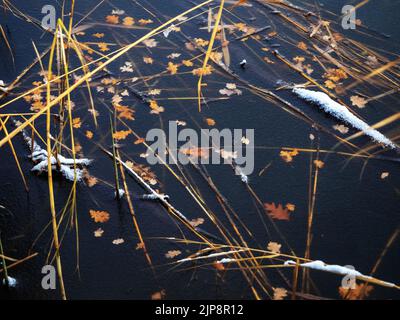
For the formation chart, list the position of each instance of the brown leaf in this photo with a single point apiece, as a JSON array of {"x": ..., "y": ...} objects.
[
  {"x": 358, "y": 101},
  {"x": 358, "y": 293},
  {"x": 276, "y": 212},
  {"x": 279, "y": 293},
  {"x": 274, "y": 247}
]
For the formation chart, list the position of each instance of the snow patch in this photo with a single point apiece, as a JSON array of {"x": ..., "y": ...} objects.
[{"x": 341, "y": 112}]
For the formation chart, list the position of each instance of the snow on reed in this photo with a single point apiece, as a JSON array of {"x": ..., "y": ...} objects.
[
  {"x": 334, "y": 268},
  {"x": 341, "y": 112},
  {"x": 66, "y": 165}
]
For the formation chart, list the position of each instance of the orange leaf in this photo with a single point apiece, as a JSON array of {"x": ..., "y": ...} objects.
[
  {"x": 113, "y": 19},
  {"x": 128, "y": 21},
  {"x": 99, "y": 216},
  {"x": 121, "y": 135}
]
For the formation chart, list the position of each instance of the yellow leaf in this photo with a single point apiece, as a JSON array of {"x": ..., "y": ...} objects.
[
  {"x": 128, "y": 21},
  {"x": 121, "y": 135},
  {"x": 76, "y": 123},
  {"x": 172, "y": 68},
  {"x": 89, "y": 134},
  {"x": 187, "y": 63}
]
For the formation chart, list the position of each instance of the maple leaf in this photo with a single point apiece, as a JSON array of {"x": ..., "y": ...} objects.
[
  {"x": 89, "y": 134},
  {"x": 276, "y": 212},
  {"x": 121, "y": 135},
  {"x": 98, "y": 233},
  {"x": 103, "y": 46},
  {"x": 76, "y": 123},
  {"x": 148, "y": 60},
  {"x": 112, "y": 19},
  {"x": 124, "y": 112},
  {"x": 274, "y": 247},
  {"x": 91, "y": 181},
  {"x": 150, "y": 43},
  {"x": 341, "y": 128},
  {"x": 99, "y": 216},
  {"x": 287, "y": 155},
  {"x": 172, "y": 254},
  {"x": 301, "y": 45},
  {"x": 335, "y": 75},
  {"x": 358, "y": 293},
  {"x": 128, "y": 21},
  {"x": 155, "y": 108},
  {"x": 202, "y": 71},
  {"x": 330, "y": 84},
  {"x": 279, "y": 293},
  {"x": 201, "y": 42},
  {"x": 172, "y": 68},
  {"x": 358, "y": 101}
]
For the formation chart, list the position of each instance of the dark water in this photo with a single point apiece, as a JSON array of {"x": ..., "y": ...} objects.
[{"x": 355, "y": 214}]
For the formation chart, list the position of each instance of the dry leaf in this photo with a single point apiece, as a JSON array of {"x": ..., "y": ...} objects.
[
  {"x": 384, "y": 175},
  {"x": 290, "y": 206},
  {"x": 196, "y": 222},
  {"x": 287, "y": 155},
  {"x": 319, "y": 164},
  {"x": 98, "y": 233},
  {"x": 274, "y": 247},
  {"x": 121, "y": 135},
  {"x": 151, "y": 43},
  {"x": 76, "y": 123},
  {"x": 148, "y": 60},
  {"x": 113, "y": 19},
  {"x": 210, "y": 122},
  {"x": 99, "y": 216},
  {"x": 118, "y": 241},
  {"x": 172, "y": 68},
  {"x": 276, "y": 212},
  {"x": 172, "y": 254},
  {"x": 279, "y": 293},
  {"x": 341, "y": 128},
  {"x": 358, "y": 293},
  {"x": 128, "y": 21},
  {"x": 358, "y": 101},
  {"x": 89, "y": 134}
]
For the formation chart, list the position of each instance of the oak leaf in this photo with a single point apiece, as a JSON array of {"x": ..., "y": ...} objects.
[{"x": 276, "y": 212}]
